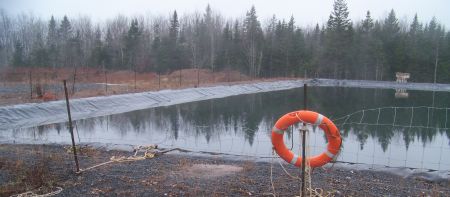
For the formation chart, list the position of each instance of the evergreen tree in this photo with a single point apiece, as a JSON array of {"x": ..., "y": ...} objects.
[
  {"x": 315, "y": 52},
  {"x": 268, "y": 58},
  {"x": 378, "y": 51},
  {"x": 156, "y": 44},
  {"x": 52, "y": 38},
  {"x": 210, "y": 36},
  {"x": 169, "y": 50},
  {"x": 132, "y": 40},
  {"x": 298, "y": 54},
  {"x": 39, "y": 55},
  {"x": 74, "y": 51},
  {"x": 237, "y": 54},
  {"x": 391, "y": 41},
  {"x": 253, "y": 42},
  {"x": 109, "y": 51},
  {"x": 294, "y": 43},
  {"x": 18, "y": 56},
  {"x": 65, "y": 47},
  {"x": 391, "y": 27},
  {"x": 224, "y": 58},
  {"x": 174, "y": 28},
  {"x": 279, "y": 49},
  {"x": 434, "y": 40},
  {"x": 338, "y": 20},
  {"x": 416, "y": 27},
  {"x": 413, "y": 46},
  {"x": 444, "y": 61},
  {"x": 364, "y": 43},
  {"x": 173, "y": 56},
  {"x": 65, "y": 29},
  {"x": 98, "y": 55},
  {"x": 367, "y": 24},
  {"x": 339, "y": 41}
]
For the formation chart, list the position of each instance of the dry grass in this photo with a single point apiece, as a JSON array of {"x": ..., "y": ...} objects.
[
  {"x": 42, "y": 81},
  {"x": 29, "y": 168},
  {"x": 83, "y": 150},
  {"x": 28, "y": 176}
]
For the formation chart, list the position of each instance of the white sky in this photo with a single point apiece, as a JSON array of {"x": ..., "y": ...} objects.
[{"x": 306, "y": 12}]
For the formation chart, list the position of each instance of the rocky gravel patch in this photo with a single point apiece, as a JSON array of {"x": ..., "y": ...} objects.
[{"x": 28, "y": 167}]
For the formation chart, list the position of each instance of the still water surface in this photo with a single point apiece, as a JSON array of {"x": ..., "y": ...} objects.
[{"x": 397, "y": 132}]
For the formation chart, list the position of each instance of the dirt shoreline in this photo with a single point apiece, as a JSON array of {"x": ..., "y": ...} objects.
[{"x": 28, "y": 167}]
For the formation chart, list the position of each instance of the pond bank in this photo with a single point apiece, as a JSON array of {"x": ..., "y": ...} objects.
[
  {"x": 26, "y": 167},
  {"x": 36, "y": 114}
]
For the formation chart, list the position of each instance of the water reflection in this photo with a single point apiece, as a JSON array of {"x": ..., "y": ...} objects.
[{"x": 242, "y": 124}]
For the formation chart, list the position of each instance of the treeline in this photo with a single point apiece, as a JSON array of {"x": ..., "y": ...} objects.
[{"x": 368, "y": 49}]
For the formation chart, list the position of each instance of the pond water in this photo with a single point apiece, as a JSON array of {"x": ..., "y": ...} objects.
[{"x": 397, "y": 132}]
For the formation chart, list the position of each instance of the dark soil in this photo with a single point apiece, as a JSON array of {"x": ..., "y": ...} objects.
[{"x": 28, "y": 167}]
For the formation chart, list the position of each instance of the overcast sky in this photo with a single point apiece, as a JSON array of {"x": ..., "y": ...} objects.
[{"x": 306, "y": 12}]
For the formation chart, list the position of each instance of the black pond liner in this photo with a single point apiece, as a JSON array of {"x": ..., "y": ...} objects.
[{"x": 36, "y": 114}]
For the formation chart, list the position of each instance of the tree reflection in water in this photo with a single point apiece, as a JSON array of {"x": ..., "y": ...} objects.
[{"x": 248, "y": 119}]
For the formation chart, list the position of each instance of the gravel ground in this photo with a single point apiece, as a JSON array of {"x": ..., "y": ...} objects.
[{"x": 27, "y": 167}]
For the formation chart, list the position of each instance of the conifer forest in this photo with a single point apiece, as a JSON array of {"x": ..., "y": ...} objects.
[{"x": 367, "y": 49}]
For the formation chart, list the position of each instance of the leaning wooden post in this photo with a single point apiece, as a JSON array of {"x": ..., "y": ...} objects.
[
  {"x": 303, "y": 142},
  {"x": 71, "y": 127}
]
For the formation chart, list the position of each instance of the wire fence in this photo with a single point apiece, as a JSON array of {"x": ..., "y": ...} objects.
[
  {"x": 362, "y": 132},
  {"x": 39, "y": 84},
  {"x": 389, "y": 137}
]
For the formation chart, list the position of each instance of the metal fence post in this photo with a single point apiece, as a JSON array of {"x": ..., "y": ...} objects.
[
  {"x": 159, "y": 81},
  {"x": 31, "y": 85},
  {"x": 180, "y": 77},
  {"x": 106, "y": 82},
  {"x": 198, "y": 77},
  {"x": 71, "y": 127},
  {"x": 303, "y": 141}
]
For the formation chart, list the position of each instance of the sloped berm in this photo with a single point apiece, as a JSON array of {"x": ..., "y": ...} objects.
[{"x": 36, "y": 114}]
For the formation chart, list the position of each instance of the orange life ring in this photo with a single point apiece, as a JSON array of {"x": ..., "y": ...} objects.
[{"x": 331, "y": 131}]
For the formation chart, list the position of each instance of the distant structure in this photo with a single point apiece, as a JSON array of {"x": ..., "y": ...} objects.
[
  {"x": 401, "y": 93},
  {"x": 401, "y": 78}
]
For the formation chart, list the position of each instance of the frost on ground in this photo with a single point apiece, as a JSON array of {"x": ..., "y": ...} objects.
[{"x": 35, "y": 114}]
